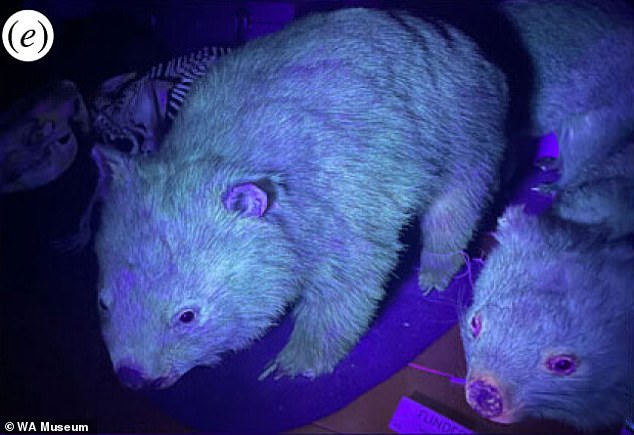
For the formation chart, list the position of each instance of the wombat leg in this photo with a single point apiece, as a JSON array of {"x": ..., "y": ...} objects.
[
  {"x": 328, "y": 324},
  {"x": 446, "y": 228}
]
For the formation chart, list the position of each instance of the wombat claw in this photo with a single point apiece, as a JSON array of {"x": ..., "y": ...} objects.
[
  {"x": 547, "y": 163},
  {"x": 273, "y": 368},
  {"x": 268, "y": 370},
  {"x": 427, "y": 291},
  {"x": 437, "y": 271},
  {"x": 437, "y": 285},
  {"x": 545, "y": 189}
]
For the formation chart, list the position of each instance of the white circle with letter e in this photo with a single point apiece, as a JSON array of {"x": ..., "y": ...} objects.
[{"x": 27, "y": 35}]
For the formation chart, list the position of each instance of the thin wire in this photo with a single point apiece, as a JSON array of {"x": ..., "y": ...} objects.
[{"x": 453, "y": 379}]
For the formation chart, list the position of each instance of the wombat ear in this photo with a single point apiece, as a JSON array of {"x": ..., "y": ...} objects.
[{"x": 248, "y": 199}]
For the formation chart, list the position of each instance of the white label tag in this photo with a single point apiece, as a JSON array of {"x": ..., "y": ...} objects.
[{"x": 412, "y": 417}]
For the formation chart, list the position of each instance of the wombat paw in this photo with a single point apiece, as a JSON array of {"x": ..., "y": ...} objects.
[
  {"x": 428, "y": 282},
  {"x": 437, "y": 270},
  {"x": 277, "y": 372},
  {"x": 290, "y": 363},
  {"x": 274, "y": 369}
]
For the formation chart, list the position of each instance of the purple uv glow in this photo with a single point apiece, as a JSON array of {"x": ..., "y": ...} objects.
[
  {"x": 485, "y": 398},
  {"x": 548, "y": 147},
  {"x": 454, "y": 379}
]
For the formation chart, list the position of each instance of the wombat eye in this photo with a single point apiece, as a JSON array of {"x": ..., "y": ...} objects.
[
  {"x": 476, "y": 325},
  {"x": 187, "y": 316},
  {"x": 562, "y": 364}
]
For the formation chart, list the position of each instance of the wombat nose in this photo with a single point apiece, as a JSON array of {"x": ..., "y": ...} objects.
[
  {"x": 485, "y": 398},
  {"x": 131, "y": 377}
]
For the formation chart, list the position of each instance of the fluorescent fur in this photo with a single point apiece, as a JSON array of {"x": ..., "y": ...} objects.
[
  {"x": 562, "y": 283},
  {"x": 354, "y": 133},
  {"x": 554, "y": 287}
]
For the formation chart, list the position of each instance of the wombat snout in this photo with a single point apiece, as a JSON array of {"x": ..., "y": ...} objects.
[
  {"x": 134, "y": 379},
  {"x": 486, "y": 398}
]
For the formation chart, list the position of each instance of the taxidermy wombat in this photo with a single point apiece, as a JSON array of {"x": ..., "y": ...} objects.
[
  {"x": 285, "y": 182},
  {"x": 550, "y": 332}
]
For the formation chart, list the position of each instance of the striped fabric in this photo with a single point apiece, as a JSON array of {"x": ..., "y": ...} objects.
[
  {"x": 131, "y": 113},
  {"x": 186, "y": 69}
]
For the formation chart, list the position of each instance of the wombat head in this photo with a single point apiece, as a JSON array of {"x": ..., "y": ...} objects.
[
  {"x": 550, "y": 332},
  {"x": 193, "y": 262}
]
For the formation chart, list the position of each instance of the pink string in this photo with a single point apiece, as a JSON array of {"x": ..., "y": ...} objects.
[{"x": 451, "y": 378}]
